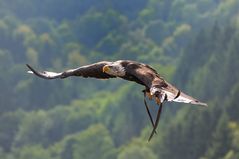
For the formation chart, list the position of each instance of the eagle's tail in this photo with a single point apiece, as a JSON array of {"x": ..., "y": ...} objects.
[
  {"x": 172, "y": 94},
  {"x": 182, "y": 97}
]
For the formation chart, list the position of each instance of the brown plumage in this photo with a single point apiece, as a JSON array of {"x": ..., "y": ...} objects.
[{"x": 155, "y": 85}]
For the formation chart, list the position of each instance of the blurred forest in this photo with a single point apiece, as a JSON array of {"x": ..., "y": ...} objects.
[{"x": 193, "y": 44}]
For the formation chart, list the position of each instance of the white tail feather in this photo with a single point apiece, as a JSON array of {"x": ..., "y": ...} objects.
[{"x": 183, "y": 98}]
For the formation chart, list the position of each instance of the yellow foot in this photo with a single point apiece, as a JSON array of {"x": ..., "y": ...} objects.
[
  {"x": 149, "y": 95},
  {"x": 158, "y": 101}
]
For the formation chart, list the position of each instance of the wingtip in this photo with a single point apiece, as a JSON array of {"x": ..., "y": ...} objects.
[
  {"x": 30, "y": 71},
  {"x": 29, "y": 66}
]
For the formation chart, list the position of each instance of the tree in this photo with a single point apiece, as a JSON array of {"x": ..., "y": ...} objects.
[
  {"x": 136, "y": 152},
  {"x": 32, "y": 152},
  {"x": 94, "y": 142}
]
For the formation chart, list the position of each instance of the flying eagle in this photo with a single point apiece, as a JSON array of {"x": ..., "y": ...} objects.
[{"x": 155, "y": 86}]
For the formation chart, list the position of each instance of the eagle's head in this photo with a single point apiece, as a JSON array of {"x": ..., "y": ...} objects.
[{"x": 114, "y": 69}]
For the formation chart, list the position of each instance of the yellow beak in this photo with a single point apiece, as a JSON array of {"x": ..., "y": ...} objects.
[{"x": 106, "y": 68}]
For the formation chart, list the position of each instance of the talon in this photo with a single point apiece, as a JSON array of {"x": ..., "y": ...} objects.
[
  {"x": 149, "y": 95},
  {"x": 158, "y": 101}
]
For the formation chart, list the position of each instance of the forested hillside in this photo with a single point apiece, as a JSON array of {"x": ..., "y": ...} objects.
[{"x": 193, "y": 44}]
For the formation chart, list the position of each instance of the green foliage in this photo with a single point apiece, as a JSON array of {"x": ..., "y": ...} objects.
[
  {"x": 94, "y": 142},
  {"x": 137, "y": 149},
  {"x": 137, "y": 152},
  {"x": 33, "y": 129},
  {"x": 93, "y": 26},
  {"x": 32, "y": 152},
  {"x": 193, "y": 44},
  {"x": 9, "y": 127},
  {"x": 205, "y": 134},
  {"x": 217, "y": 148}
]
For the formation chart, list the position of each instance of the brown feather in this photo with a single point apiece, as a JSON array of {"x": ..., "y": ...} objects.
[{"x": 93, "y": 70}]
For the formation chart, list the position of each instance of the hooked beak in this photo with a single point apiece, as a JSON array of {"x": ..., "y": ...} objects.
[{"x": 106, "y": 68}]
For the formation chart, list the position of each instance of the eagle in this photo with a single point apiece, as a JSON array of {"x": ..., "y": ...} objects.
[{"x": 156, "y": 87}]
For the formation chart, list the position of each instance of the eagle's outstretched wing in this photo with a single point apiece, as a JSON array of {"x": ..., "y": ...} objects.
[
  {"x": 158, "y": 86},
  {"x": 94, "y": 70}
]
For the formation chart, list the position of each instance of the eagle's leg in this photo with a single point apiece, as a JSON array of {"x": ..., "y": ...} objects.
[
  {"x": 147, "y": 108},
  {"x": 156, "y": 122},
  {"x": 148, "y": 94},
  {"x": 157, "y": 99},
  {"x": 159, "y": 102}
]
